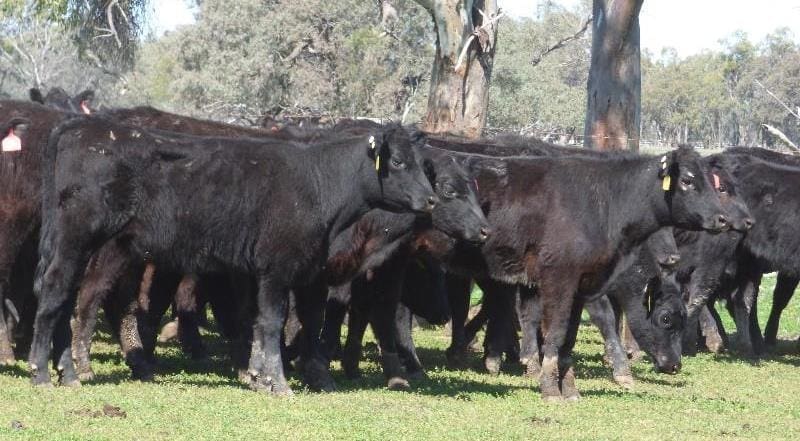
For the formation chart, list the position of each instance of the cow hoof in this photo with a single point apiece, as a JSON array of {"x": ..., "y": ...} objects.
[
  {"x": 7, "y": 358},
  {"x": 533, "y": 370},
  {"x": 547, "y": 398},
  {"x": 142, "y": 373},
  {"x": 266, "y": 385},
  {"x": 72, "y": 382},
  {"x": 399, "y": 384},
  {"x": 317, "y": 376},
  {"x": 417, "y": 375},
  {"x": 572, "y": 397},
  {"x": 87, "y": 375},
  {"x": 169, "y": 332},
  {"x": 457, "y": 357},
  {"x": 493, "y": 365},
  {"x": 626, "y": 381}
]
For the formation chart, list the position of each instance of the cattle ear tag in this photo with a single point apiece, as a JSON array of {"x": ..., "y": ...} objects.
[
  {"x": 665, "y": 183},
  {"x": 716, "y": 181},
  {"x": 12, "y": 143},
  {"x": 85, "y": 108},
  {"x": 373, "y": 146}
]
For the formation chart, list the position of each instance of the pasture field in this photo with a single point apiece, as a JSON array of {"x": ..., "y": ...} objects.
[{"x": 713, "y": 397}]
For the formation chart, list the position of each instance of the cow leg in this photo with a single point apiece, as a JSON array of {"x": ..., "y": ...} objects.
[
  {"x": 292, "y": 333},
  {"x": 357, "y": 320},
  {"x": 476, "y": 323},
  {"x": 266, "y": 366},
  {"x": 498, "y": 302},
  {"x": 529, "y": 311},
  {"x": 6, "y": 351},
  {"x": 629, "y": 341},
  {"x": 743, "y": 303},
  {"x": 335, "y": 311},
  {"x": 602, "y": 315},
  {"x": 784, "y": 290},
  {"x": 458, "y": 291},
  {"x": 404, "y": 323},
  {"x": 557, "y": 301},
  {"x": 712, "y": 338},
  {"x": 156, "y": 291},
  {"x": 569, "y": 390},
  {"x": 310, "y": 309},
  {"x": 187, "y": 313},
  {"x": 58, "y": 279},
  {"x": 385, "y": 290}
]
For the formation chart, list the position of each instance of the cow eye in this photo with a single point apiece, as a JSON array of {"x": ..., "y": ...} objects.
[
  {"x": 723, "y": 188},
  {"x": 448, "y": 191},
  {"x": 396, "y": 163},
  {"x": 666, "y": 320},
  {"x": 687, "y": 182}
]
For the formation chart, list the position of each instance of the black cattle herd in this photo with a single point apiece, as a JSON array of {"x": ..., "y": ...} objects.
[{"x": 285, "y": 231}]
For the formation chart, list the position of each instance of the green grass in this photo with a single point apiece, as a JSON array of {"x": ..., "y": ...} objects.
[{"x": 713, "y": 397}]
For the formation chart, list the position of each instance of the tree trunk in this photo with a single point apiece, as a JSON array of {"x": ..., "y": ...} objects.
[
  {"x": 613, "y": 109},
  {"x": 458, "y": 99}
]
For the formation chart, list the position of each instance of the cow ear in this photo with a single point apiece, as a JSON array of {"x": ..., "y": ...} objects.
[
  {"x": 667, "y": 164},
  {"x": 651, "y": 290},
  {"x": 18, "y": 125},
  {"x": 85, "y": 101},
  {"x": 36, "y": 95}
]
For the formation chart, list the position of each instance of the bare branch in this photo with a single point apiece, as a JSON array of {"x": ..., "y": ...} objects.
[
  {"x": 561, "y": 43},
  {"x": 110, "y": 18},
  {"x": 789, "y": 109},
  {"x": 777, "y": 133},
  {"x": 480, "y": 32}
]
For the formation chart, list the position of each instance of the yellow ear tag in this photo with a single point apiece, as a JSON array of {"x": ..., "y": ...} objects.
[
  {"x": 377, "y": 156},
  {"x": 377, "y": 163},
  {"x": 665, "y": 184}
]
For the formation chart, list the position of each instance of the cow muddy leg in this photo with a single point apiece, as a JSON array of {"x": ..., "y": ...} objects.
[
  {"x": 58, "y": 281},
  {"x": 602, "y": 315},
  {"x": 310, "y": 309},
  {"x": 529, "y": 311},
  {"x": 713, "y": 340},
  {"x": 557, "y": 300},
  {"x": 266, "y": 367},
  {"x": 458, "y": 292},
  {"x": 569, "y": 390},
  {"x": 187, "y": 313},
  {"x": 784, "y": 290}
]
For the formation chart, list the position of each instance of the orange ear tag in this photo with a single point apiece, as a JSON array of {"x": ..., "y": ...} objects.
[
  {"x": 85, "y": 108},
  {"x": 716, "y": 181},
  {"x": 665, "y": 184},
  {"x": 12, "y": 143}
]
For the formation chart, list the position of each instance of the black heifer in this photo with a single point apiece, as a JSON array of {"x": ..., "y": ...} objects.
[
  {"x": 194, "y": 205},
  {"x": 567, "y": 236},
  {"x": 24, "y": 130}
]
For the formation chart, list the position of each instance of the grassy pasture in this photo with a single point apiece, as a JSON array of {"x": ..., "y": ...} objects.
[{"x": 713, "y": 397}]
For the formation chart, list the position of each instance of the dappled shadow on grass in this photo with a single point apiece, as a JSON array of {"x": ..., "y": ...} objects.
[{"x": 18, "y": 370}]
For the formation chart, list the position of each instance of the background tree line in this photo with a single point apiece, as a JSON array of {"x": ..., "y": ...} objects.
[{"x": 246, "y": 59}]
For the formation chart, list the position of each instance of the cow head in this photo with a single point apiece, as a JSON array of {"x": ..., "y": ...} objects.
[
  {"x": 458, "y": 214},
  {"x": 58, "y": 98},
  {"x": 693, "y": 202},
  {"x": 394, "y": 157},
  {"x": 425, "y": 291},
  {"x": 738, "y": 213},
  {"x": 657, "y": 321}
]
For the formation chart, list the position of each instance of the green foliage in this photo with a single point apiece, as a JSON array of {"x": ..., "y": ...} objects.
[
  {"x": 713, "y": 397},
  {"x": 253, "y": 57},
  {"x": 550, "y": 96}
]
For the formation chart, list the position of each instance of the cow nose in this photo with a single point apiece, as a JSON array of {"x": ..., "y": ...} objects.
[
  {"x": 721, "y": 223},
  {"x": 484, "y": 233},
  {"x": 432, "y": 201},
  {"x": 748, "y": 223}
]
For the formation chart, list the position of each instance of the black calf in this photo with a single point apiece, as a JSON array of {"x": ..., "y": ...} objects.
[{"x": 264, "y": 208}]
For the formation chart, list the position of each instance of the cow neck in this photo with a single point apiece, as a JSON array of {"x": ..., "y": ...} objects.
[
  {"x": 341, "y": 182},
  {"x": 639, "y": 206}
]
